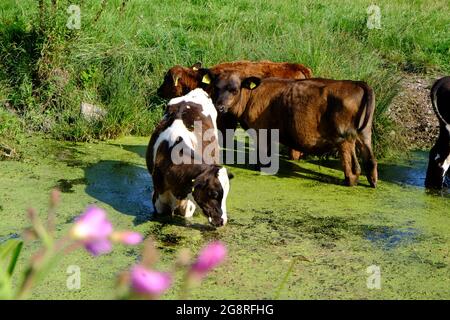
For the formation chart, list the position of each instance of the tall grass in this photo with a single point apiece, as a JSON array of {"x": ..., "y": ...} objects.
[{"x": 119, "y": 56}]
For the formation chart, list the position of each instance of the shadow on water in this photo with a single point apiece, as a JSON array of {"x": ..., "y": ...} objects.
[
  {"x": 124, "y": 186},
  {"x": 127, "y": 188},
  {"x": 287, "y": 168}
]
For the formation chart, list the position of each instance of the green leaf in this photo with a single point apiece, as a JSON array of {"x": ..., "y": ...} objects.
[{"x": 9, "y": 254}]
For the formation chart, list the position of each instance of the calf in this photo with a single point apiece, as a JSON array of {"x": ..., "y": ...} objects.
[
  {"x": 180, "y": 80},
  {"x": 439, "y": 159},
  {"x": 181, "y": 174},
  {"x": 312, "y": 115}
]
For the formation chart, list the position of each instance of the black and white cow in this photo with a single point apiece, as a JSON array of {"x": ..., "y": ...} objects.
[
  {"x": 183, "y": 159},
  {"x": 439, "y": 159}
]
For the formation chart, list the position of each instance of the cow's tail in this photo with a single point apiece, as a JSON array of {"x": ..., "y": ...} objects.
[
  {"x": 368, "y": 103},
  {"x": 433, "y": 96}
]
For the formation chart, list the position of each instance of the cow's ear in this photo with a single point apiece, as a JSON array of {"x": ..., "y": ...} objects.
[
  {"x": 251, "y": 83},
  {"x": 175, "y": 79},
  {"x": 196, "y": 66},
  {"x": 205, "y": 76}
]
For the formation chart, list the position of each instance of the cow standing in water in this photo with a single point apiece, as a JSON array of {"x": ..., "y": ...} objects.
[
  {"x": 180, "y": 80},
  {"x": 182, "y": 158},
  {"x": 439, "y": 159},
  {"x": 312, "y": 115}
]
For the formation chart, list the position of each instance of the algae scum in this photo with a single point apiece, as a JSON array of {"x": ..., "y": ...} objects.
[{"x": 304, "y": 217}]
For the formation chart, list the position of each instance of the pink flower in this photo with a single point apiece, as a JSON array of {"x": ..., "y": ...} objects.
[
  {"x": 93, "y": 229},
  {"x": 149, "y": 282},
  {"x": 92, "y": 225},
  {"x": 95, "y": 232},
  {"x": 127, "y": 237},
  {"x": 209, "y": 258},
  {"x": 98, "y": 247}
]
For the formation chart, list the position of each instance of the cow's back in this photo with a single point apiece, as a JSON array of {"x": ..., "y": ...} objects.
[
  {"x": 313, "y": 110},
  {"x": 264, "y": 69},
  {"x": 440, "y": 92}
]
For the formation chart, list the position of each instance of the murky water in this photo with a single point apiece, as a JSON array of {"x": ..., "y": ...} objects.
[{"x": 304, "y": 211}]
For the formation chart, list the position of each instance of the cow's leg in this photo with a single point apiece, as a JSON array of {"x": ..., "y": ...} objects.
[
  {"x": 356, "y": 168},
  {"x": 295, "y": 154},
  {"x": 370, "y": 163},
  {"x": 226, "y": 121},
  {"x": 438, "y": 164},
  {"x": 185, "y": 208},
  {"x": 164, "y": 203},
  {"x": 346, "y": 150}
]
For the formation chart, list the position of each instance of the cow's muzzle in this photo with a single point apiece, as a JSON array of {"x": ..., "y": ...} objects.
[
  {"x": 217, "y": 222},
  {"x": 221, "y": 109}
]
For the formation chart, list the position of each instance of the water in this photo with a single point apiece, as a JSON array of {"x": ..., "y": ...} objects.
[{"x": 303, "y": 211}]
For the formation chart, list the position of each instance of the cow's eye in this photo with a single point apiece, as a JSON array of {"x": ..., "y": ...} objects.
[{"x": 213, "y": 194}]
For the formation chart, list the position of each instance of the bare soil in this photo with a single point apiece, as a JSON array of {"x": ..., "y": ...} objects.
[{"x": 411, "y": 110}]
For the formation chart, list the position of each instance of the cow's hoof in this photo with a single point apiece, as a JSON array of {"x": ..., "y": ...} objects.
[
  {"x": 351, "y": 182},
  {"x": 372, "y": 182}
]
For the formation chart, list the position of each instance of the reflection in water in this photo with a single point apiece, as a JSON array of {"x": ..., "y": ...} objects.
[
  {"x": 389, "y": 238},
  {"x": 410, "y": 172}
]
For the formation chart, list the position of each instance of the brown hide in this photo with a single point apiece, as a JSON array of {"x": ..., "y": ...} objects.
[
  {"x": 187, "y": 79},
  {"x": 313, "y": 115},
  {"x": 188, "y": 112}
]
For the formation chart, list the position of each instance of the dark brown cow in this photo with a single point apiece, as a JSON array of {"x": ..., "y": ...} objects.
[
  {"x": 439, "y": 159},
  {"x": 180, "y": 80},
  {"x": 312, "y": 115}
]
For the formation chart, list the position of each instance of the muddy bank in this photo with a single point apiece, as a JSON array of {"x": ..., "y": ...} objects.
[{"x": 412, "y": 112}]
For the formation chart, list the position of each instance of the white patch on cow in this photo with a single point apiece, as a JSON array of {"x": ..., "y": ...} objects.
[
  {"x": 446, "y": 165},
  {"x": 171, "y": 134},
  {"x": 165, "y": 199},
  {"x": 438, "y": 156},
  {"x": 187, "y": 206},
  {"x": 225, "y": 182},
  {"x": 448, "y": 128},
  {"x": 199, "y": 96}
]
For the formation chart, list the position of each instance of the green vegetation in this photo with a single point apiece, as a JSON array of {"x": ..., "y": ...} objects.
[
  {"x": 118, "y": 57},
  {"x": 301, "y": 221}
]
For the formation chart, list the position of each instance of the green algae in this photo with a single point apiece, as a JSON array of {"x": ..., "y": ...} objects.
[{"x": 303, "y": 217}]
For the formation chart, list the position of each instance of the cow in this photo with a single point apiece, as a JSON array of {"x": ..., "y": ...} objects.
[
  {"x": 439, "y": 158},
  {"x": 180, "y": 80},
  {"x": 183, "y": 176},
  {"x": 312, "y": 115}
]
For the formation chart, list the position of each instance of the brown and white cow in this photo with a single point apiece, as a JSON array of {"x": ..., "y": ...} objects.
[
  {"x": 439, "y": 159},
  {"x": 312, "y": 115},
  {"x": 182, "y": 175},
  {"x": 180, "y": 80}
]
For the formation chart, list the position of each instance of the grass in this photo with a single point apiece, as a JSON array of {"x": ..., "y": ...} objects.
[{"x": 119, "y": 56}]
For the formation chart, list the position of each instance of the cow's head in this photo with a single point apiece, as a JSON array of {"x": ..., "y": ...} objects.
[
  {"x": 210, "y": 192},
  {"x": 228, "y": 89},
  {"x": 178, "y": 81}
]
